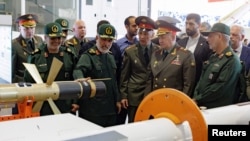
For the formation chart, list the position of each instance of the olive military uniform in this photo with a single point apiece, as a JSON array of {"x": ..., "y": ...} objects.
[
  {"x": 135, "y": 70},
  {"x": 172, "y": 66},
  {"x": 214, "y": 88},
  {"x": 135, "y": 73},
  {"x": 77, "y": 44},
  {"x": 20, "y": 53},
  {"x": 21, "y": 47},
  {"x": 176, "y": 70}
]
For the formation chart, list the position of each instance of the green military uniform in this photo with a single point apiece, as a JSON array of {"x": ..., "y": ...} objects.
[
  {"x": 217, "y": 85},
  {"x": 94, "y": 64},
  {"x": 21, "y": 48},
  {"x": 176, "y": 70},
  {"x": 43, "y": 60},
  {"x": 70, "y": 45},
  {"x": 65, "y": 28}
]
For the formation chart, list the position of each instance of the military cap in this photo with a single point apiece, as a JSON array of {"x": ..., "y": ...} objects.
[
  {"x": 64, "y": 23},
  {"x": 170, "y": 20},
  {"x": 106, "y": 31},
  {"x": 145, "y": 22},
  {"x": 164, "y": 26},
  {"x": 53, "y": 30},
  {"x": 28, "y": 20},
  {"x": 218, "y": 27}
]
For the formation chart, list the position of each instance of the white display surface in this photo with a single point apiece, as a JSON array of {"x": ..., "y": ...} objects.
[
  {"x": 5, "y": 48},
  {"x": 45, "y": 128}
]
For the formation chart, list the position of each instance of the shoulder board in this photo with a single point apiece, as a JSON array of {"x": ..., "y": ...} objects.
[
  {"x": 15, "y": 40},
  {"x": 68, "y": 43},
  {"x": 37, "y": 50},
  {"x": 68, "y": 49},
  {"x": 183, "y": 49},
  {"x": 131, "y": 46},
  {"x": 94, "y": 51},
  {"x": 229, "y": 53}
]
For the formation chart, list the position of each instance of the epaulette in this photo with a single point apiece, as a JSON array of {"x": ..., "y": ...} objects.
[
  {"x": 94, "y": 51},
  {"x": 129, "y": 47},
  {"x": 68, "y": 43},
  {"x": 37, "y": 50},
  {"x": 229, "y": 53},
  {"x": 182, "y": 49},
  {"x": 110, "y": 52},
  {"x": 68, "y": 49},
  {"x": 15, "y": 40}
]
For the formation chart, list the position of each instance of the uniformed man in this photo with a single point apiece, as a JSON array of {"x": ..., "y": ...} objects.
[
  {"x": 98, "y": 63},
  {"x": 24, "y": 44},
  {"x": 172, "y": 66},
  {"x": 134, "y": 68},
  {"x": 220, "y": 74},
  {"x": 65, "y": 29},
  {"x": 172, "y": 21},
  {"x": 42, "y": 57},
  {"x": 78, "y": 40}
]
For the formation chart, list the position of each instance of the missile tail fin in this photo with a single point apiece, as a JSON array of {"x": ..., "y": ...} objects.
[
  {"x": 55, "y": 68},
  {"x": 33, "y": 72}
]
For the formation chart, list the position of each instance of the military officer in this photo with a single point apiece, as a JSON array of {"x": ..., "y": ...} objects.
[
  {"x": 42, "y": 57},
  {"x": 172, "y": 66},
  {"x": 220, "y": 74},
  {"x": 172, "y": 21},
  {"x": 78, "y": 40},
  {"x": 24, "y": 44},
  {"x": 134, "y": 73},
  {"x": 98, "y": 63},
  {"x": 65, "y": 29}
]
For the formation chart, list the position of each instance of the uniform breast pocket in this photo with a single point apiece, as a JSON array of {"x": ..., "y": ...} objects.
[
  {"x": 98, "y": 68},
  {"x": 42, "y": 68},
  {"x": 214, "y": 73}
]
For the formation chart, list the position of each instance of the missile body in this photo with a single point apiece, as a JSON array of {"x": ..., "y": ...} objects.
[{"x": 59, "y": 90}]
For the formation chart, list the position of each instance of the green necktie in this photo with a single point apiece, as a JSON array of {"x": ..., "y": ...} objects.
[
  {"x": 146, "y": 56},
  {"x": 164, "y": 54}
]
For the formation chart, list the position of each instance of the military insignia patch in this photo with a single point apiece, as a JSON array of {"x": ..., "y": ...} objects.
[
  {"x": 155, "y": 63},
  {"x": 91, "y": 51},
  {"x": 74, "y": 41},
  {"x": 192, "y": 63},
  {"x": 176, "y": 61},
  {"x": 61, "y": 53},
  {"x": 229, "y": 54}
]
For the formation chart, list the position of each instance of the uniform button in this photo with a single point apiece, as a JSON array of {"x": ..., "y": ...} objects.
[
  {"x": 156, "y": 85},
  {"x": 164, "y": 86},
  {"x": 156, "y": 79},
  {"x": 165, "y": 79}
]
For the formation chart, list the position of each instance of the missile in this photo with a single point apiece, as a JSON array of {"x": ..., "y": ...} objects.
[
  {"x": 61, "y": 90},
  {"x": 39, "y": 92}
]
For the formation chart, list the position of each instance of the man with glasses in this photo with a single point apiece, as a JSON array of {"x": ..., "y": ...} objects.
[{"x": 220, "y": 74}]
